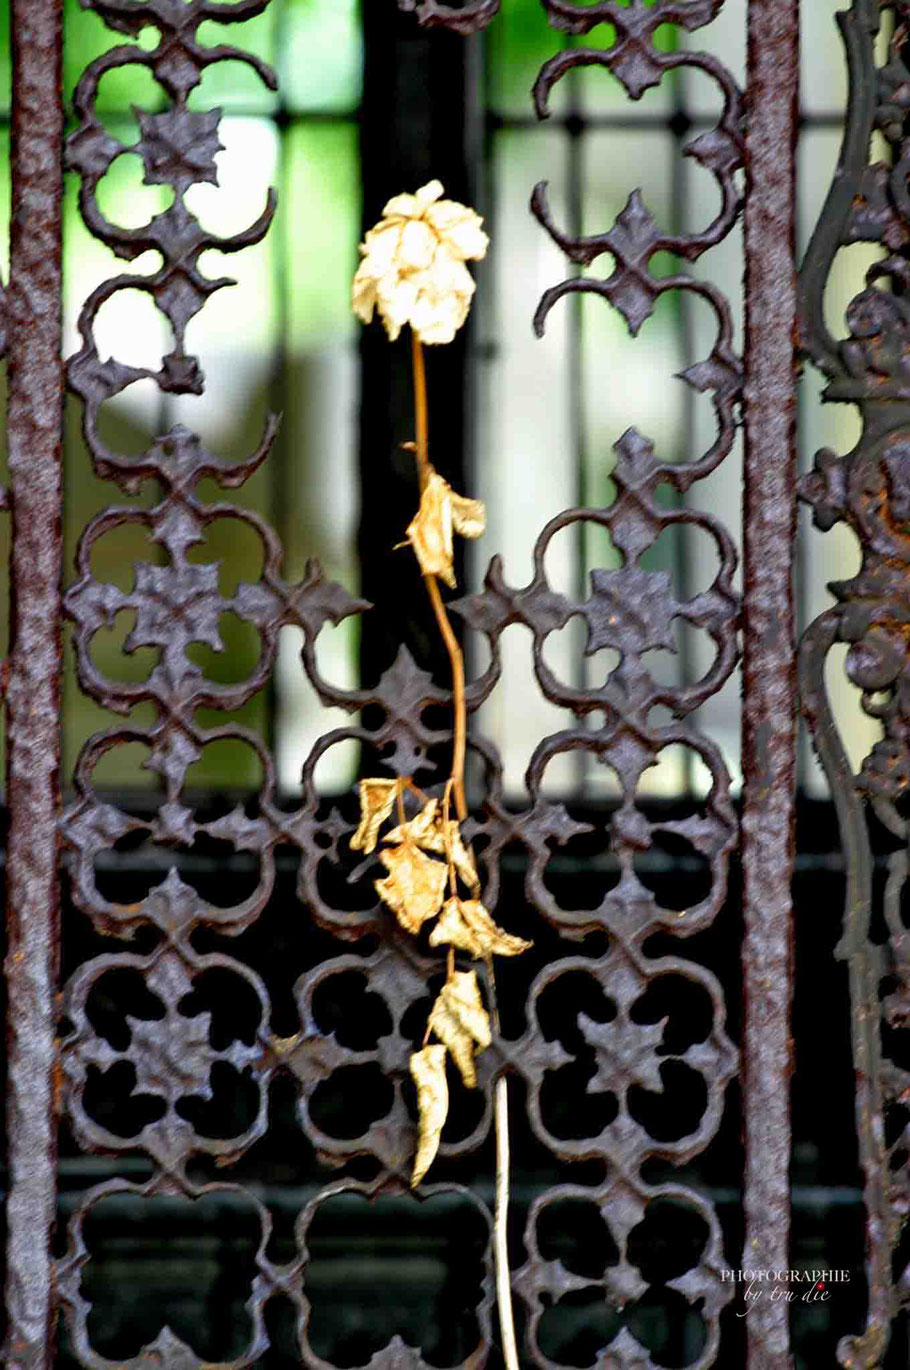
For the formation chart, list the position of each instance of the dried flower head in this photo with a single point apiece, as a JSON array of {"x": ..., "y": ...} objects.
[{"x": 413, "y": 269}]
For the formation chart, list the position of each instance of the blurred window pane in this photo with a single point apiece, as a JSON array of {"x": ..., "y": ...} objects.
[{"x": 281, "y": 338}]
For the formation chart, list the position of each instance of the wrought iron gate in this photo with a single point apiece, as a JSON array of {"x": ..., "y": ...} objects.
[{"x": 166, "y": 1068}]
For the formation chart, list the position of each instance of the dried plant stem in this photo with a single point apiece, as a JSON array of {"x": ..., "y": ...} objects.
[
  {"x": 459, "y": 744},
  {"x": 501, "y": 1205},
  {"x": 422, "y": 444},
  {"x": 500, "y": 1235},
  {"x": 456, "y": 659},
  {"x": 439, "y": 609},
  {"x": 459, "y": 741}
]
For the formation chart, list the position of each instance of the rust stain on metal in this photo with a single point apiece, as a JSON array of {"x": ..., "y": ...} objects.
[
  {"x": 868, "y": 489},
  {"x": 769, "y": 687},
  {"x": 33, "y": 680}
]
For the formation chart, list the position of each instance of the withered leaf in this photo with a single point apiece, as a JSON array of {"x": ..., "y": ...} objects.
[
  {"x": 462, "y": 859},
  {"x": 428, "y": 1071},
  {"x": 414, "y": 887},
  {"x": 466, "y": 924},
  {"x": 460, "y": 1021},
  {"x": 377, "y": 800},
  {"x": 469, "y": 516},
  {"x": 430, "y": 531},
  {"x": 419, "y": 830},
  {"x": 430, "y": 833}
]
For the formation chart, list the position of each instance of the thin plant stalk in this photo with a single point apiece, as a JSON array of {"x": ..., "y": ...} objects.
[
  {"x": 500, "y": 1221},
  {"x": 456, "y": 658},
  {"x": 459, "y": 743}
]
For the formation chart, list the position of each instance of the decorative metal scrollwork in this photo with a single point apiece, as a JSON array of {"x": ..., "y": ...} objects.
[
  {"x": 868, "y": 489},
  {"x": 165, "y": 1063},
  {"x": 464, "y": 19},
  {"x": 632, "y": 611}
]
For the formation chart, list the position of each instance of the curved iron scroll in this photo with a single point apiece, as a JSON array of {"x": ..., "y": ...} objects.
[
  {"x": 463, "y": 19},
  {"x": 171, "y": 1056},
  {"x": 868, "y": 489},
  {"x": 631, "y": 610}
]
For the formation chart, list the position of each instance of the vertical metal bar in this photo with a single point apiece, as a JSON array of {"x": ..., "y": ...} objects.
[
  {"x": 282, "y": 500},
  {"x": 582, "y": 665},
  {"x": 33, "y": 692},
  {"x": 681, "y": 221},
  {"x": 769, "y": 736}
]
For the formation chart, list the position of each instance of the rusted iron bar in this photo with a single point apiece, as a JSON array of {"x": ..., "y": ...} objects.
[
  {"x": 33, "y": 703},
  {"x": 769, "y": 737}
]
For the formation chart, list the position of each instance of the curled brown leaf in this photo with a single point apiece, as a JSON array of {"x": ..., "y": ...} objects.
[
  {"x": 377, "y": 800},
  {"x": 430, "y": 531},
  {"x": 420, "y": 830},
  {"x": 428, "y": 1071},
  {"x": 432, "y": 834},
  {"x": 469, "y": 516},
  {"x": 414, "y": 887},
  {"x": 466, "y": 924},
  {"x": 462, "y": 859},
  {"x": 460, "y": 1021}
]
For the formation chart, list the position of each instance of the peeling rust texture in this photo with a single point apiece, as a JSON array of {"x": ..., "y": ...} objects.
[
  {"x": 868, "y": 491},
  {"x": 769, "y": 691},
  {"x": 33, "y": 694}
]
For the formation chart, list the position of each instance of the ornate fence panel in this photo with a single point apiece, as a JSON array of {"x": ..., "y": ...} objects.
[
  {"x": 866, "y": 489},
  {"x": 173, "y": 1080}
]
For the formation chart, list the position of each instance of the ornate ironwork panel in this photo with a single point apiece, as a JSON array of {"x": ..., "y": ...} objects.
[
  {"x": 165, "y": 1082},
  {"x": 177, "y": 601},
  {"x": 867, "y": 490}
]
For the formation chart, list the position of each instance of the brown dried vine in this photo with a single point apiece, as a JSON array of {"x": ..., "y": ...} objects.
[{"x": 413, "y": 271}]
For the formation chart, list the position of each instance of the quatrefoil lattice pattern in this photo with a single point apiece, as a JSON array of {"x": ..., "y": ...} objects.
[{"x": 148, "y": 1083}]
